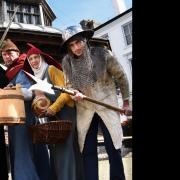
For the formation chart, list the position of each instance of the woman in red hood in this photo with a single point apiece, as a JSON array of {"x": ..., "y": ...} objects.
[{"x": 62, "y": 106}]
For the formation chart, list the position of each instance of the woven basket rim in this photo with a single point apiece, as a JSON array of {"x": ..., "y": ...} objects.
[
  {"x": 51, "y": 123},
  {"x": 42, "y": 133},
  {"x": 51, "y": 126}
]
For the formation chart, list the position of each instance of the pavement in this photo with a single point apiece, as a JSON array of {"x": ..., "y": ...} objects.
[{"x": 104, "y": 163}]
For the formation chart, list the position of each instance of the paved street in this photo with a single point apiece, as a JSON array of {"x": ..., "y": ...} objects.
[
  {"x": 104, "y": 167},
  {"x": 104, "y": 164}
]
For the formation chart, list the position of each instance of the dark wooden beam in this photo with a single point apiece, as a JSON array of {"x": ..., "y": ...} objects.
[
  {"x": 47, "y": 43},
  {"x": 41, "y": 39},
  {"x": 26, "y": 1}
]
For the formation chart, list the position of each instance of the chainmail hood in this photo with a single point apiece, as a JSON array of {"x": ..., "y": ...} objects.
[{"x": 84, "y": 71}]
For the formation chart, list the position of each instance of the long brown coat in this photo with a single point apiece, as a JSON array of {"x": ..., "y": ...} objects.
[{"x": 104, "y": 90}]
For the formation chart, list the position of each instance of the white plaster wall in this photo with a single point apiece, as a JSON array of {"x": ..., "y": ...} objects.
[{"x": 118, "y": 44}]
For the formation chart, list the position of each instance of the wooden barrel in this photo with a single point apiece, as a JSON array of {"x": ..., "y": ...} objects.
[{"x": 12, "y": 109}]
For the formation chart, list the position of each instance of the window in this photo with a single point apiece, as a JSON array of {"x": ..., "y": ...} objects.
[
  {"x": 127, "y": 29},
  {"x": 28, "y": 14},
  {"x": 105, "y": 36},
  {"x": 47, "y": 20},
  {"x": 129, "y": 61},
  {"x": 130, "y": 64},
  {"x": 19, "y": 17}
]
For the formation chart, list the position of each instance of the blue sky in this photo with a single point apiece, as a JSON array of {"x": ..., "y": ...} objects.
[{"x": 71, "y": 12}]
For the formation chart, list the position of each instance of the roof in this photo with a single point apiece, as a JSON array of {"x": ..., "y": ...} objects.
[
  {"x": 113, "y": 19},
  {"x": 100, "y": 42},
  {"x": 44, "y": 3},
  {"x": 28, "y": 1},
  {"x": 48, "y": 10},
  {"x": 31, "y": 27}
]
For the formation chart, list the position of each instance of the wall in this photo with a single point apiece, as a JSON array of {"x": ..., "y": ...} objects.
[{"x": 118, "y": 43}]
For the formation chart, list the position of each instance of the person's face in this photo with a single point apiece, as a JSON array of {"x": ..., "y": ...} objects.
[
  {"x": 77, "y": 47},
  {"x": 34, "y": 60},
  {"x": 9, "y": 57}
]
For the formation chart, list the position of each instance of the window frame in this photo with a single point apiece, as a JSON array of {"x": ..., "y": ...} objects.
[
  {"x": 129, "y": 32},
  {"x": 27, "y": 13},
  {"x": 105, "y": 36}
]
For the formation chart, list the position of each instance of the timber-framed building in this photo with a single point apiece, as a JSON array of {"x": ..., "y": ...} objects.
[{"x": 32, "y": 23}]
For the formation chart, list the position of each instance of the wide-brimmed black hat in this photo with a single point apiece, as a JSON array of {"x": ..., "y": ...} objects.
[{"x": 72, "y": 32}]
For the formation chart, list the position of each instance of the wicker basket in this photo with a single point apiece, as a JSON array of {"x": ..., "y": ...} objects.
[{"x": 53, "y": 132}]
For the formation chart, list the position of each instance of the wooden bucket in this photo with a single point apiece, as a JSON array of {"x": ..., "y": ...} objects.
[{"x": 12, "y": 110}]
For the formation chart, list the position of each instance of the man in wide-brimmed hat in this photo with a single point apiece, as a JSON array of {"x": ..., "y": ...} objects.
[
  {"x": 89, "y": 70},
  {"x": 25, "y": 158}
]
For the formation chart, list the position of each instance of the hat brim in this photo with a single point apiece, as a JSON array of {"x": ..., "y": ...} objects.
[
  {"x": 85, "y": 34},
  {"x": 12, "y": 49}
]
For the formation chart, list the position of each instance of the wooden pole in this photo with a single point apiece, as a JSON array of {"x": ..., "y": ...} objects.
[
  {"x": 7, "y": 29},
  {"x": 89, "y": 99}
]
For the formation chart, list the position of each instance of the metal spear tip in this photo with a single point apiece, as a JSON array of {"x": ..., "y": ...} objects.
[
  {"x": 41, "y": 85},
  {"x": 33, "y": 77}
]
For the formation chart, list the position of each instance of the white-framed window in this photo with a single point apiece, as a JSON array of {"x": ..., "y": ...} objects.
[
  {"x": 127, "y": 30},
  {"x": 105, "y": 36},
  {"x": 130, "y": 63},
  {"x": 27, "y": 14}
]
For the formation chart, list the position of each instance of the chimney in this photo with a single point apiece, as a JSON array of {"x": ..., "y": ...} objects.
[{"x": 119, "y": 6}]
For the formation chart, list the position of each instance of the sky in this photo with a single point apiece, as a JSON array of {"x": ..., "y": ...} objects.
[{"x": 71, "y": 12}]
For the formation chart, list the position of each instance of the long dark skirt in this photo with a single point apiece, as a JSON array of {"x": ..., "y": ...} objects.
[
  {"x": 66, "y": 158},
  {"x": 3, "y": 155}
]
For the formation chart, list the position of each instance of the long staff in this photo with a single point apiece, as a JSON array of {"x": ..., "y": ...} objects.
[
  {"x": 7, "y": 29},
  {"x": 62, "y": 89},
  {"x": 1, "y": 41},
  {"x": 44, "y": 86}
]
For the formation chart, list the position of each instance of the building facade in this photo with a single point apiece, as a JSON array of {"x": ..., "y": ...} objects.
[
  {"x": 119, "y": 33},
  {"x": 32, "y": 23}
]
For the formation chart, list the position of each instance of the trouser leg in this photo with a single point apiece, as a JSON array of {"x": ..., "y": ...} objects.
[
  {"x": 90, "y": 157},
  {"x": 78, "y": 159},
  {"x": 115, "y": 159}
]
